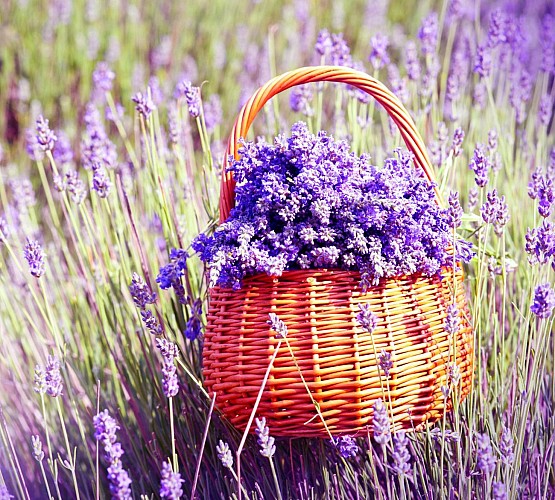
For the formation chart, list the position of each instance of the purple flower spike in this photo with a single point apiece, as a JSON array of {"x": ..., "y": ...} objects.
[
  {"x": 141, "y": 292},
  {"x": 323, "y": 43},
  {"x": 544, "y": 301},
  {"x": 170, "y": 382},
  {"x": 458, "y": 138},
  {"x": 101, "y": 183},
  {"x": 191, "y": 94},
  {"x": 401, "y": 454},
  {"x": 277, "y": 325},
  {"x": 382, "y": 426},
  {"x": 428, "y": 33},
  {"x": 45, "y": 137},
  {"x": 452, "y": 320},
  {"x": 53, "y": 381},
  {"x": 506, "y": 446},
  {"x": 38, "y": 454},
  {"x": 366, "y": 318},
  {"x": 106, "y": 433},
  {"x": 485, "y": 459},
  {"x": 378, "y": 56},
  {"x": 266, "y": 442},
  {"x": 498, "y": 491},
  {"x": 35, "y": 257},
  {"x": 171, "y": 274},
  {"x": 170, "y": 485},
  {"x": 454, "y": 210},
  {"x": 4, "y": 493},
  {"x": 411, "y": 61},
  {"x": 300, "y": 99},
  {"x": 103, "y": 78},
  {"x": 346, "y": 446},
  {"x": 224, "y": 454},
  {"x": 480, "y": 165},
  {"x": 143, "y": 104},
  {"x": 495, "y": 211}
]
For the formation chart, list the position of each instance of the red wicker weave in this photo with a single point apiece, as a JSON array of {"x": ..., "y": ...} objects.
[{"x": 337, "y": 359}]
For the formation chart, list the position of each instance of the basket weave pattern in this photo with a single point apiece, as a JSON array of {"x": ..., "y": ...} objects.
[{"x": 337, "y": 359}]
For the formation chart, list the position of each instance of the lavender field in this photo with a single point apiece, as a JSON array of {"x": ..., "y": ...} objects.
[{"x": 114, "y": 120}]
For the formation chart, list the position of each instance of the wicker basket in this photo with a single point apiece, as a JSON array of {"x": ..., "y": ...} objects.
[{"x": 337, "y": 359}]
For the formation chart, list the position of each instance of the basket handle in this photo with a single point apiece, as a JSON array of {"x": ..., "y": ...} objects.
[{"x": 338, "y": 74}]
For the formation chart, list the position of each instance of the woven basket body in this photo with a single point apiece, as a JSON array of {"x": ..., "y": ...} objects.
[{"x": 325, "y": 377}]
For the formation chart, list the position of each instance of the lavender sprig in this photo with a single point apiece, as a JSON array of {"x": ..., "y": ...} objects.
[{"x": 106, "y": 433}]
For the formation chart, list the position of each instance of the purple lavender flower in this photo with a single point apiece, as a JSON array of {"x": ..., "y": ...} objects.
[
  {"x": 53, "y": 378},
  {"x": 454, "y": 210},
  {"x": 170, "y": 275},
  {"x": 140, "y": 292},
  {"x": 428, "y": 33},
  {"x": 544, "y": 301},
  {"x": 266, "y": 442},
  {"x": 45, "y": 137},
  {"x": 506, "y": 446},
  {"x": 96, "y": 148},
  {"x": 547, "y": 41},
  {"x": 193, "y": 328},
  {"x": 380, "y": 422},
  {"x": 186, "y": 90},
  {"x": 401, "y": 454},
  {"x": 448, "y": 436},
  {"x": 103, "y": 78},
  {"x": 74, "y": 186},
  {"x": 340, "y": 51},
  {"x": 143, "y": 104},
  {"x": 458, "y": 137},
  {"x": 224, "y": 454},
  {"x": 170, "y": 485},
  {"x": 170, "y": 382},
  {"x": 379, "y": 57},
  {"x": 411, "y": 61},
  {"x": 35, "y": 257},
  {"x": 485, "y": 459},
  {"x": 495, "y": 211},
  {"x": 323, "y": 43},
  {"x": 498, "y": 491},
  {"x": 497, "y": 32},
  {"x": 300, "y": 99},
  {"x": 385, "y": 362},
  {"x": 151, "y": 323},
  {"x": 480, "y": 165},
  {"x": 40, "y": 380},
  {"x": 482, "y": 61},
  {"x": 540, "y": 243},
  {"x": 346, "y": 446},
  {"x": 545, "y": 110},
  {"x": 366, "y": 318},
  {"x": 4, "y": 493},
  {"x": 38, "y": 454},
  {"x": 106, "y": 433},
  {"x": 492, "y": 141},
  {"x": 452, "y": 319},
  {"x": 101, "y": 183},
  {"x": 277, "y": 325}
]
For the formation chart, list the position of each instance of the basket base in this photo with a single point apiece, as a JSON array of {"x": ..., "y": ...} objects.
[{"x": 326, "y": 376}]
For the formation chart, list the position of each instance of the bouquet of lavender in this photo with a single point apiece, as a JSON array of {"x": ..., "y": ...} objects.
[{"x": 306, "y": 201}]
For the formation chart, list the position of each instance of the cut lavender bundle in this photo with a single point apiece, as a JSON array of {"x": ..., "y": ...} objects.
[{"x": 306, "y": 201}]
